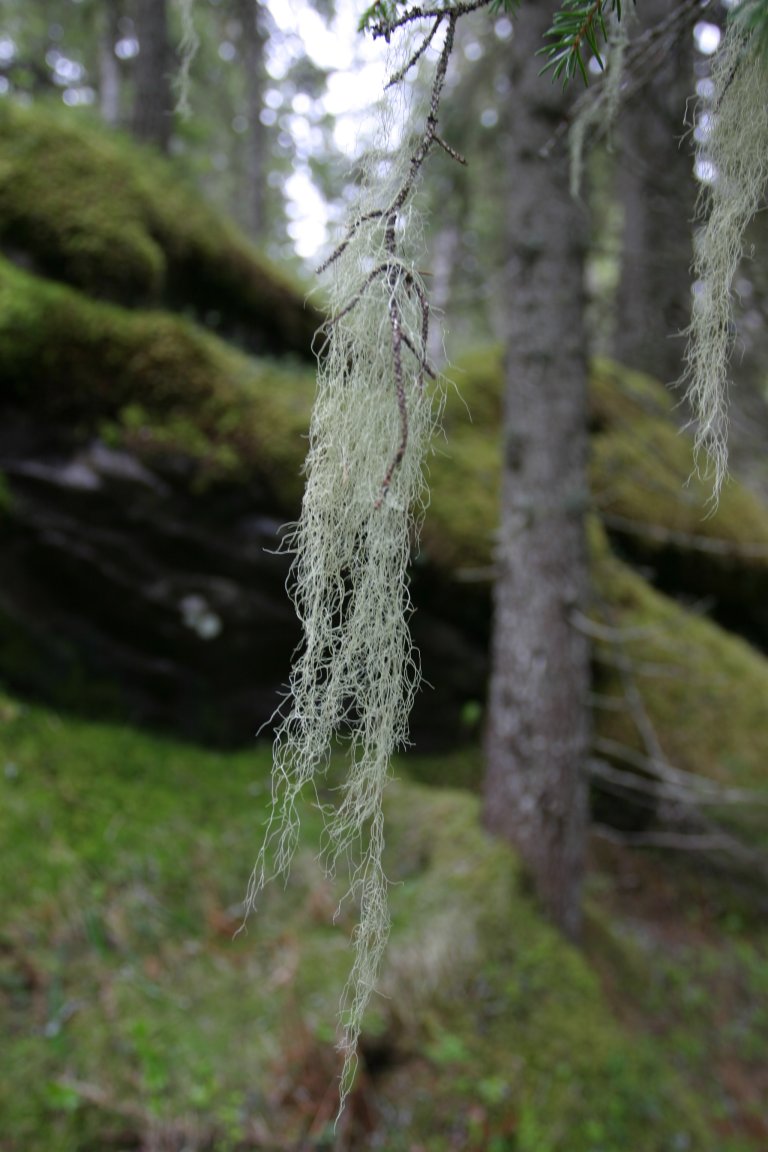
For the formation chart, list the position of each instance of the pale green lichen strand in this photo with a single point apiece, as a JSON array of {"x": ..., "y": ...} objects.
[
  {"x": 597, "y": 114},
  {"x": 356, "y": 673},
  {"x": 737, "y": 150}
]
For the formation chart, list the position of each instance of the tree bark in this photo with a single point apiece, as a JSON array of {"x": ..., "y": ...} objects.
[
  {"x": 153, "y": 104},
  {"x": 254, "y": 39},
  {"x": 109, "y": 69},
  {"x": 657, "y": 191},
  {"x": 535, "y": 792}
]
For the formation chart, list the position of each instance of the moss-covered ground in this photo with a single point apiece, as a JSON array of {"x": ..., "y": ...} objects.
[{"x": 133, "y": 1017}]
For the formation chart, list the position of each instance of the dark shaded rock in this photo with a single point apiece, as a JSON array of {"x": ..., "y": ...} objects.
[
  {"x": 111, "y": 579},
  {"x": 124, "y": 594}
]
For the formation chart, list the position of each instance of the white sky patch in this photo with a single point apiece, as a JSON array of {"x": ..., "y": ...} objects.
[
  {"x": 351, "y": 100},
  {"x": 308, "y": 213},
  {"x": 357, "y": 74}
]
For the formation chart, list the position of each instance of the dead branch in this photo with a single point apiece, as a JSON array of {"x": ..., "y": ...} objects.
[
  {"x": 680, "y": 841},
  {"x": 661, "y": 534},
  {"x": 391, "y": 270}
]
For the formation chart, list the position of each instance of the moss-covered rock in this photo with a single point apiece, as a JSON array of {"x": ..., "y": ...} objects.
[
  {"x": 151, "y": 382},
  {"x": 658, "y": 511},
  {"x": 101, "y": 213},
  {"x": 519, "y": 1042},
  {"x": 672, "y": 686}
]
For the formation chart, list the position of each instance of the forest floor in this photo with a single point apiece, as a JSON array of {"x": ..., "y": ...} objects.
[{"x": 135, "y": 1016}]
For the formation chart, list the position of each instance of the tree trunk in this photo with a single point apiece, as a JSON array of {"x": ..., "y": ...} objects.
[
  {"x": 657, "y": 190},
  {"x": 249, "y": 12},
  {"x": 445, "y": 251},
  {"x": 109, "y": 69},
  {"x": 153, "y": 105},
  {"x": 535, "y": 791}
]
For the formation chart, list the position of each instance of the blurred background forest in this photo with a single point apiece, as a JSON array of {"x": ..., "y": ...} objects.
[{"x": 157, "y": 311}]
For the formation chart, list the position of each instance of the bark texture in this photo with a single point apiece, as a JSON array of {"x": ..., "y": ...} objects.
[
  {"x": 657, "y": 191},
  {"x": 538, "y": 721},
  {"x": 109, "y": 69},
  {"x": 254, "y": 41},
  {"x": 153, "y": 102}
]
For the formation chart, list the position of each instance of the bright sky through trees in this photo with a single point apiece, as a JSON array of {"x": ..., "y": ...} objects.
[{"x": 356, "y": 81}]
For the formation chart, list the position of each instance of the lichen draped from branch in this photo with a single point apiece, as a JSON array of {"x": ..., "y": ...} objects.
[
  {"x": 377, "y": 404},
  {"x": 736, "y": 148}
]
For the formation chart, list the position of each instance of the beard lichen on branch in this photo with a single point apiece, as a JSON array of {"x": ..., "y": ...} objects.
[{"x": 377, "y": 404}]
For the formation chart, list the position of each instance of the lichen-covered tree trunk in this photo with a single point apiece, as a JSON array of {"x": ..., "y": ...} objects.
[
  {"x": 152, "y": 104},
  {"x": 657, "y": 192},
  {"x": 538, "y": 719}
]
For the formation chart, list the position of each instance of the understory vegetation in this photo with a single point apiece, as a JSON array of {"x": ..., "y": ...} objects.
[{"x": 135, "y": 1017}]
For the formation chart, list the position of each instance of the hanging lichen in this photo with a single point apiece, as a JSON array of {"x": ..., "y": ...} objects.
[
  {"x": 189, "y": 46},
  {"x": 732, "y": 157},
  {"x": 377, "y": 404},
  {"x": 596, "y": 115}
]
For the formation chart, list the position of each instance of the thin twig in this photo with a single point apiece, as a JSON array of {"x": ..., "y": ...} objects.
[
  {"x": 391, "y": 269},
  {"x": 377, "y": 271},
  {"x": 639, "y": 67},
  {"x": 710, "y": 544},
  {"x": 684, "y": 841},
  {"x": 457, "y": 156},
  {"x": 366, "y": 219},
  {"x": 403, "y": 72},
  {"x": 425, "y": 368},
  {"x": 385, "y": 28}
]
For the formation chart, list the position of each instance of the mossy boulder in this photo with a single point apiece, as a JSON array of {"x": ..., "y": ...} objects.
[
  {"x": 153, "y": 383},
  {"x": 101, "y": 213},
  {"x": 148, "y": 468},
  {"x": 147, "y": 464},
  {"x": 658, "y": 511},
  {"x": 678, "y": 701}
]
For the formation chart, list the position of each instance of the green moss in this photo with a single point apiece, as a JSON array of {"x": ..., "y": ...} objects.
[
  {"x": 117, "y": 221},
  {"x": 704, "y": 690},
  {"x": 151, "y": 382},
  {"x": 464, "y": 471},
  {"x": 642, "y": 468},
  {"x": 126, "y": 1001},
  {"x": 511, "y": 1019},
  {"x": 640, "y": 472},
  {"x": 474, "y": 393},
  {"x": 460, "y": 526}
]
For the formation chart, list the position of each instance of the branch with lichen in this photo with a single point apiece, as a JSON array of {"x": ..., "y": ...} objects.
[{"x": 378, "y": 401}]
